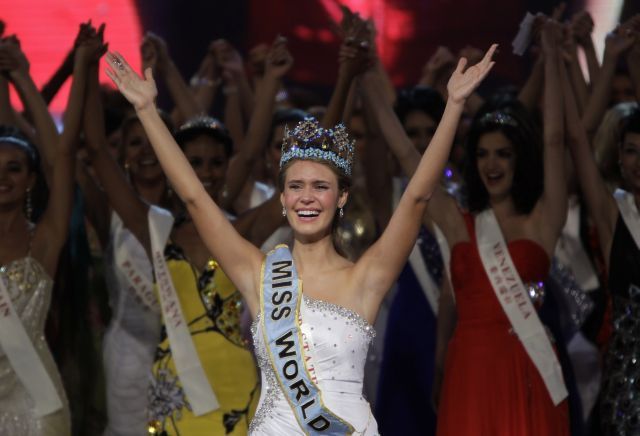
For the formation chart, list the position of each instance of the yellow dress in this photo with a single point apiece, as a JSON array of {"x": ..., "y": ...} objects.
[{"x": 212, "y": 307}]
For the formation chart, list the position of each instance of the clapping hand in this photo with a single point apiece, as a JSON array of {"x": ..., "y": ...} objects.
[
  {"x": 141, "y": 93},
  {"x": 463, "y": 82}
]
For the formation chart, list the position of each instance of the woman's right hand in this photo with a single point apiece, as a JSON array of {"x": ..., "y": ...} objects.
[{"x": 141, "y": 93}]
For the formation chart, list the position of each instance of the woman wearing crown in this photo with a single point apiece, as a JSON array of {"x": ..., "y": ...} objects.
[{"x": 311, "y": 346}]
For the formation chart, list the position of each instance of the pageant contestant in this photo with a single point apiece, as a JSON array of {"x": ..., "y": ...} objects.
[
  {"x": 311, "y": 348},
  {"x": 618, "y": 224},
  {"x": 501, "y": 367},
  {"x": 32, "y": 398},
  {"x": 204, "y": 378},
  {"x": 134, "y": 328}
]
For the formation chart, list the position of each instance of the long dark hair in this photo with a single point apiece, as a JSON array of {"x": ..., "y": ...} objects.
[{"x": 512, "y": 120}]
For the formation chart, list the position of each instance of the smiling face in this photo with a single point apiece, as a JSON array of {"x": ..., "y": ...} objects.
[
  {"x": 209, "y": 160},
  {"x": 495, "y": 160},
  {"x": 15, "y": 176},
  {"x": 630, "y": 161},
  {"x": 311, "y": 196},
  {"x": 139, "y": 156}
]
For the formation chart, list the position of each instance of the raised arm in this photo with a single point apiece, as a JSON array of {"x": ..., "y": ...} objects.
[
  {"x": 379, "y": 267},
  {"x": 550, "y": 212},
  {"x": 205, "y": 82},
  {"x": 353, "y": 57},
  {"x": 442, "y": 208},
  {"x": 119, "y": 192},
  {"x": 240, "y": 260},
  {"x": 239, "y": 99},
  {"x": 53, "y": 85},
  {"x": 279, "y": 62},
  {"x": 617, "y": 43},
  {"x": 602, "y": 207},
  {"x": 155, "y": 55},
  {"x": 582, "y": 27},
  {"x": 52, "y": 230},
  {"x": 576, "y": 79},
  {"x": 633, "y": 56},
  {"x": 15, "y": 62}
]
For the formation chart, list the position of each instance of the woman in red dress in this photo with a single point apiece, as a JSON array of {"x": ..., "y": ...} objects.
[{"x": 491, "y": 385}]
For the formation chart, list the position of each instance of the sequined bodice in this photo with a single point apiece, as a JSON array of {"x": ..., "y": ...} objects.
[
  {"x": 338, "y": 341},
  {"x": 620, "y": 403},
  {"x": 29, "y": 288}
]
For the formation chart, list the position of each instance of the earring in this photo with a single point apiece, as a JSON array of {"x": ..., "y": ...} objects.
[
  {"x": 341, "y": 212},
  {"x": 126, "y": 172},
  {"x": 284, "y": 211},
  {"x": 28, "y": 206}
]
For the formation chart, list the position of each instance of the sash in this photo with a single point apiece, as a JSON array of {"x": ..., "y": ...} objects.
[
  {"x": 516, "y": 304},
  {"x": 132, "y": 262},
  {"x": 192, "y": 377},
  {"x": 570, "y": 252},
  {"x": 280, "y": 299},
  {"x": 416, "y": 259},
  {"x": 629, "y": 212},
  {"x": 427, "y": 284},
  {"x": 24, "y": 359}
]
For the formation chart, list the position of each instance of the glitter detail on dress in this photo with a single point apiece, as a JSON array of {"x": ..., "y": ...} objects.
[
  {"x": 29, "y": 288},
  {"x": 338, "y": 340}
]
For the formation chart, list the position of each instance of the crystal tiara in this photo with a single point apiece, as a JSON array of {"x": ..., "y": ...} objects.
[{"x": 309, "y": 141}]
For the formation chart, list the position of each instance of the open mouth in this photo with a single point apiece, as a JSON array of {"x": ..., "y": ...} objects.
[
  {"x": 148, "y": 162},
  {"x": 307, "y": 214},
  {"x": 494, "y": 178}
]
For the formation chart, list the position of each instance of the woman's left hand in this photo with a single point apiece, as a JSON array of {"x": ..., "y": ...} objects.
[{"x": 463, "y": 82}]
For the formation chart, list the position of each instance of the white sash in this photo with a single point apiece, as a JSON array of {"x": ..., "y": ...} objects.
[
  {"x": 629, "y": 212},
  {"x": 192, "y": 376},
  {"x": 133, "y": 263},
  {"x": 516, "y": 304},
  {"x": 570, "y": 252},
  {"x": 416, "y": 259},
  {"x": 24, "y": 358}
]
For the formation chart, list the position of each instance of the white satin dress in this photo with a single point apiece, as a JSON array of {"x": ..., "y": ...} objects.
[
  {"x": 29, "y": 288},
  {"x": 338, "y": 339}
]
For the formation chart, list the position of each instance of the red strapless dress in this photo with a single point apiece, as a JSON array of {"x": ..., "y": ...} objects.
[{"x": 490, "y": 386}]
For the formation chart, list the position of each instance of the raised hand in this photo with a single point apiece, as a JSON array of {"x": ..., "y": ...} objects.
[
  {"x": 582, "y": 27},
  {"x": 12, "y": 60},
  {"x": 441, "y": 59},
  {"x": 463, "y": 82},
  {"x": 619, "y": 41},
  {"x": 228, "y": 59},
  {"x": 258, "y": 59},
  {"x": 91, "y": 46},
  {"x": 141, "y": 93},
  {"x": 279, "y": 60},
  {"x": 154, "y": 52},
  {"x": 356, "y": 52}
]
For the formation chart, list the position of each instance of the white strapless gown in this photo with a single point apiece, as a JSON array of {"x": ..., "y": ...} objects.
[{"x": 339, "y": 340}]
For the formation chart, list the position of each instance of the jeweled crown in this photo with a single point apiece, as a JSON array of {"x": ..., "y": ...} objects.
[{"x": 309, "y": 141}]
